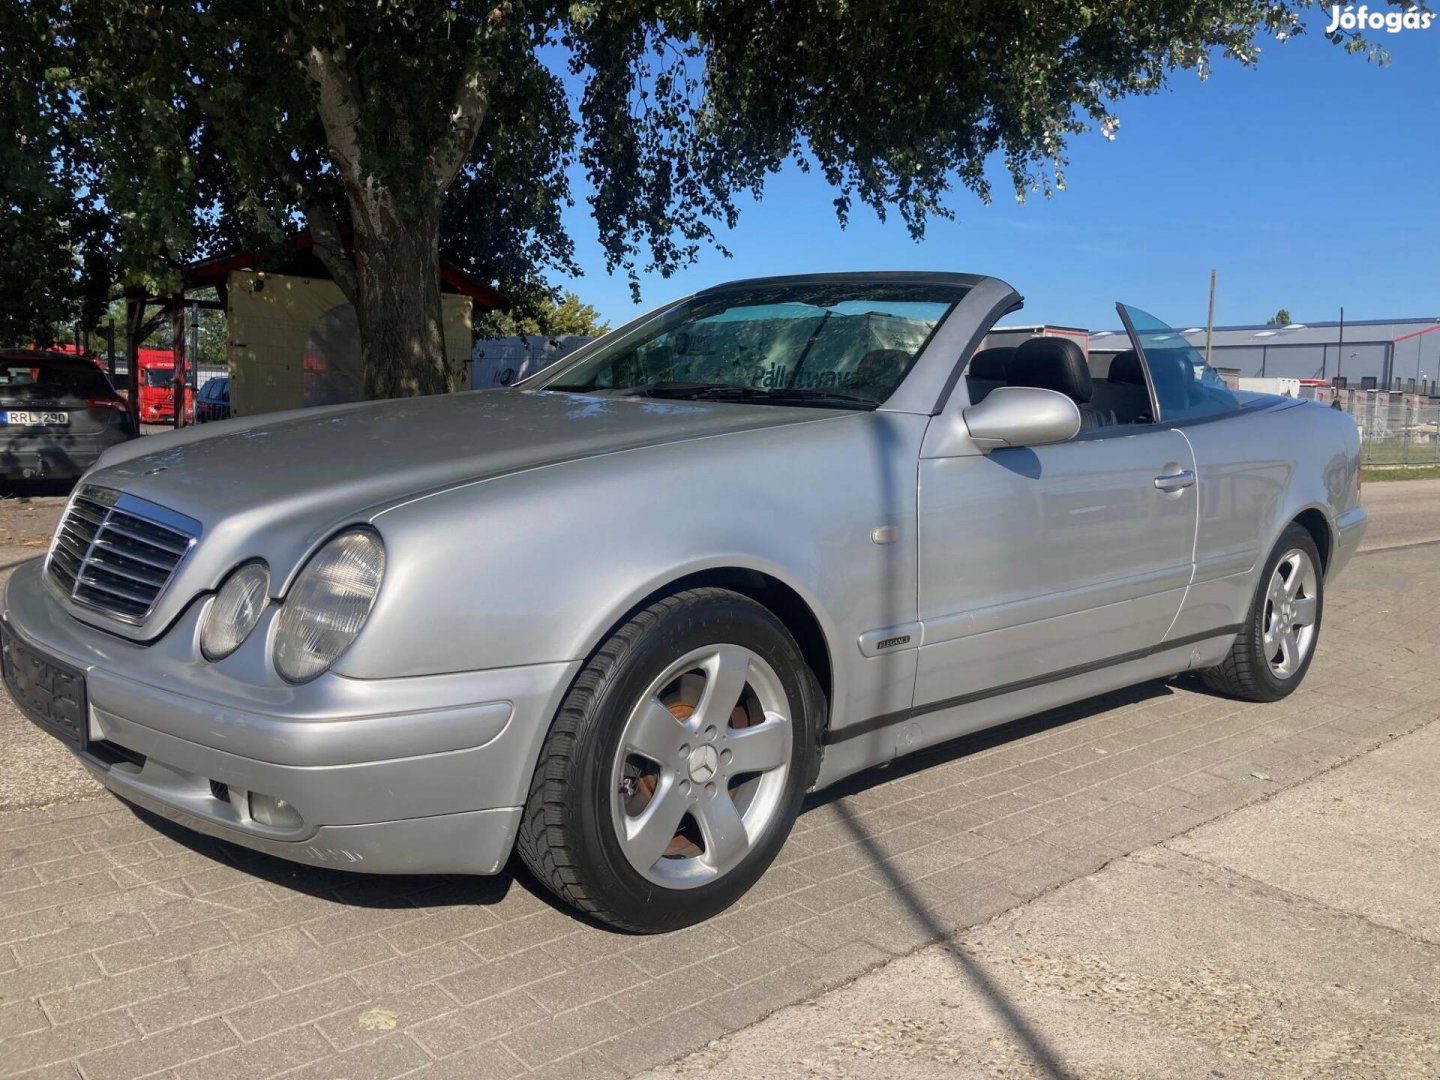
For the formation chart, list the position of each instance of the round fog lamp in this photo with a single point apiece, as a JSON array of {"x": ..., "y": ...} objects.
[
  {"x": 235, "y": 611},
  {"x": 275, "y": 812}
]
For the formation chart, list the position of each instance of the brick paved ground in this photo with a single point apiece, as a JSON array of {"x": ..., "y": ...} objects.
[{"x": 129, "y": 949}]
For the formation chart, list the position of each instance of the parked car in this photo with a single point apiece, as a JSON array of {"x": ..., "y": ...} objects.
[
  {"x": 213, "y": 400},
  {"x": 623, "y": 616},
  {"x": 58, "y": 413}
]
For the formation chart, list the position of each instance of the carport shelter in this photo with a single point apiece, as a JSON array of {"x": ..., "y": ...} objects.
[{"x": 293, "y": 337}]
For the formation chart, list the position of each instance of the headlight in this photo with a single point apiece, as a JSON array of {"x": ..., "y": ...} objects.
[
  {"x": 235, "y": 611},
  {"x": 328, "y": 604}
]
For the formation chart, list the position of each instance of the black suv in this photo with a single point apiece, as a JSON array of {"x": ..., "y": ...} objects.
[{"x": 58, "y": 413}]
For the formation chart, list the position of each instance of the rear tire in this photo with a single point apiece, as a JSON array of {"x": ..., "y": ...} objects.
[
  {"x": 1274, "y": 647},
  {"x": 676, "y": 766}
]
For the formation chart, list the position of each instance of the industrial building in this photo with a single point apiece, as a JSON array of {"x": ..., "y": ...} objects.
[{"x": 1381, "y": 354}]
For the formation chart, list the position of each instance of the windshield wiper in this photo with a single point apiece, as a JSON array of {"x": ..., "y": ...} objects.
[{"x": 780, "y": 395}]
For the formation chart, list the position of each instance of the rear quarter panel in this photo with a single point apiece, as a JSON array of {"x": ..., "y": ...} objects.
[{"x": 1256, "y": 473}]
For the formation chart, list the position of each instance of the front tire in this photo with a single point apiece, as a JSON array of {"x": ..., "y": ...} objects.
[
  {"x": 1274, "y": 648},
  {"x": 676, "y": 765}
]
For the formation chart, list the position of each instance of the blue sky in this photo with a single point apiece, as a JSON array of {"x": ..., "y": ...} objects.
[{"x": 1308, "y": 183}]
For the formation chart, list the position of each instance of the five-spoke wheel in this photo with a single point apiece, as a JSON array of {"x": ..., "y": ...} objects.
[
  {"x": 676, "y": 766},
  {"x": 1276, "y": 642},
  {"x": 1291, "y": 609},
  {"x": 701, "y": 766}
]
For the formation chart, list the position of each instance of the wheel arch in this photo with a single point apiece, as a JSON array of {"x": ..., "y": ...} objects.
[
  {"x": 777, "y": 596},
  {"x": 1314, "y": 521}
]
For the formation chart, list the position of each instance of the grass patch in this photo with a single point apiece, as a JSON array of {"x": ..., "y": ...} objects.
[{"x": 1422, "y": 472}]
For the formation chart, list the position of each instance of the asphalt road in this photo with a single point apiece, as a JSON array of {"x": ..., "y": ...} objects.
[{"x": 1402, "y": 512}]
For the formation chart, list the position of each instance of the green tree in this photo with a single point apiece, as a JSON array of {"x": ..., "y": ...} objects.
[
  {"x": 1280, "y": 318},
  {"x": 398, "y": 130},
  {"x": 51, "y": 270},
  {"x": 568, "y": 315}
]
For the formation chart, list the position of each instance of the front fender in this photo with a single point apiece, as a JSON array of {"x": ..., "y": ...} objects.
[{"x": 537, "y": 566}]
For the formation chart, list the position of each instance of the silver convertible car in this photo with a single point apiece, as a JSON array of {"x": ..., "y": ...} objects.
[{"x": 623, "y": 616}]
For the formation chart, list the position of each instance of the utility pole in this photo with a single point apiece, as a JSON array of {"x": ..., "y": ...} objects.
[
  {"x": 1210, "y": 321},
  {"x": 177, "y": 353},
  {"x": 1340, "y": 349},
  {"x": 134, "y": 324}
]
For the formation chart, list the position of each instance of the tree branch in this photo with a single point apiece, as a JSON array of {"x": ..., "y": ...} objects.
[
  {"x": 467, "y": 112},
  {"x": 330, "y": 250},
  {"x": 339, "y": 112}
]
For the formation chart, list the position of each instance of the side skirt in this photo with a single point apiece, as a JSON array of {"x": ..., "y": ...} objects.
[{"x": 883, "y": 738}]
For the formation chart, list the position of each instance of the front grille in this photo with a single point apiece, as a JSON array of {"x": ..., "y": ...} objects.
[{"x": 116, "y": 553}]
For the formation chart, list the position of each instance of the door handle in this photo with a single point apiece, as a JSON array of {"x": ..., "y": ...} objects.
[{"x": 1175, "y": 481}]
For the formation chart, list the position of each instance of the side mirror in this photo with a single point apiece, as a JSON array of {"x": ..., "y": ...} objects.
[{"x": 1022, "y": 416}]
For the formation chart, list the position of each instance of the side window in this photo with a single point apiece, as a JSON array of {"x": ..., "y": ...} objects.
[{"x": 1183, "y": 385}]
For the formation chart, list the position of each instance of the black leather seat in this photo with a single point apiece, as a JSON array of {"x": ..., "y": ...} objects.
[
  {"x": 1054, "y": 363},
  {"x": 1123, "y": 391},
  {"x": 987, "y": 371}
]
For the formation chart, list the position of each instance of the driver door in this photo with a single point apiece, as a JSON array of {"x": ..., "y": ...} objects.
[{"x": 1038, "y": 564}]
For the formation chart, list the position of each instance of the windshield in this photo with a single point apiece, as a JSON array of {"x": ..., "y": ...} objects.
[
  {"x": 830, "y": 344},
  {"x": 1186, "y": 387},
  {"x": 159, "y": 376},
  {"x": 44, "y": 378}
]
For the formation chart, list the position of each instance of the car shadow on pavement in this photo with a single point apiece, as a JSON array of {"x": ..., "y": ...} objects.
[{"x": 342, "y": 886}]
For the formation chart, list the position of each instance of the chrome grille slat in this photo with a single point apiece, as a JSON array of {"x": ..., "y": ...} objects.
[
  {"x": 116, "y": 553},
  {"x": 68, "y": 545},
  {"x": 130, "y": 573},
  {"x": 131, "y": 534},
  {"x": 84, "y": 512},
  {"x": 135, "y": 596},
  {"x": 159, "y": 563}
]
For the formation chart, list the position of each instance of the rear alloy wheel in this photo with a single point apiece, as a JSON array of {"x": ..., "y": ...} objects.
[
  {"x": 1289, "y": 624},
  {"x": 1274, "y": 648},
  {"x": 677, "y": 764}
]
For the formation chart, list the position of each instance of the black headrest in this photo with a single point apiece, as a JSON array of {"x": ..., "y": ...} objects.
[
  {"x": 991, "y": 363},
  {"x": 1051, "y": 363},
  {"x": 1125, "y": 368},
  {"x": 1173, "y": 374}
]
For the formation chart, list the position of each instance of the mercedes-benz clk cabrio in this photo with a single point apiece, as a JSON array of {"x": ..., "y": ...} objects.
[{"x": 621, "y": 617}]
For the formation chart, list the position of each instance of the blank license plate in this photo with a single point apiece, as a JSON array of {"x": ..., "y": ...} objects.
[
  {"x": 52, "y": 694},
  {"x": 27, "y": 418}
]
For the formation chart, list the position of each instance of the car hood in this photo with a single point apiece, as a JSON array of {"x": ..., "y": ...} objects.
[
  {"x": 274, "y": 487},
  {"x": 361, "y": 458}
]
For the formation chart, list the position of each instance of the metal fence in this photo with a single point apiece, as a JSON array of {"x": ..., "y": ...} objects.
[{"x": 1396, "y": 428}]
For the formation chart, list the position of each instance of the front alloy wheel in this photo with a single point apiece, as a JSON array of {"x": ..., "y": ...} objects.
[
  {"x": 676, "y": 765},
  {"x": 700, "y": 773}
]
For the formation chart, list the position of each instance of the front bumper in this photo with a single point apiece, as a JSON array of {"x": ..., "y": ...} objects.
[{"x": 414, "y": 775}]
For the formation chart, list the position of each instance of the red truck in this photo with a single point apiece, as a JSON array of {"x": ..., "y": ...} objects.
[
  {"x": 157, "y": 385},
  {"x": 157, "y": 388}
]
